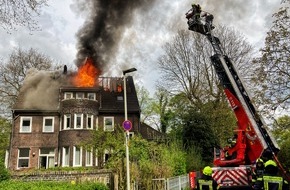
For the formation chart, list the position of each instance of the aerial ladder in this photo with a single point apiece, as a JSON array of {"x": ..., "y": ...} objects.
[{"x": 253, "y": 140}]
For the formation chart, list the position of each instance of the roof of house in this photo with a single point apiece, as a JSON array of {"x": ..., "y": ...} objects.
[{"x": 43, "y": 93}]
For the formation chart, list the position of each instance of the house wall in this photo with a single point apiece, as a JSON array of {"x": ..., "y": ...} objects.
[{"x": 33, "y": 140}]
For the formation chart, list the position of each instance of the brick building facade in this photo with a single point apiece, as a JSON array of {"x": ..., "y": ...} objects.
[{"x": 45, "y": 138}]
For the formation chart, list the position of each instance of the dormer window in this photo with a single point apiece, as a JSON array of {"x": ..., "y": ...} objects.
[
  {"x": 68, "y": 95},
  {"x": 92, "y": 96},
  {"x": 79, "y": 95}
]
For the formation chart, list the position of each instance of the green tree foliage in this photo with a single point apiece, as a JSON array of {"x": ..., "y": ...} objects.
[
  {"x": 148, "y": 159},
  {"x": 281, "y": 132},
  {"x": 198, "y": 132},
  {"x": 272, "y": 67},
  {"x": 5, "y": 128},
  {"x": 281, "y": 129}
]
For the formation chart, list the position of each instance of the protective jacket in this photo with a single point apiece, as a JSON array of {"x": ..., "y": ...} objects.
[{"x": 206, "y": 183}]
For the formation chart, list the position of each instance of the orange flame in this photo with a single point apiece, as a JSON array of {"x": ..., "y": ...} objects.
[{"x": 87, "y": 74}]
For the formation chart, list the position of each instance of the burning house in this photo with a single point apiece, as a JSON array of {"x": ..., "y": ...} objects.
[{"x": 56, "y": 111}]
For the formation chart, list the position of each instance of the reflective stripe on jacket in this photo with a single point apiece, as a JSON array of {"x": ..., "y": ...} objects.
[
  {"x": 206, "y": 183},
  {"x": 272, "y": 182}
]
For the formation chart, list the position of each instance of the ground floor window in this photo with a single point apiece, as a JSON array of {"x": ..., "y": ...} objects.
[
  {"x": 77, "y": 156},
  {"x": 23, "y": 157},
  {"x": 89, "y": 157},
  {"x": 65, "y": 156},
  {"x": 46, "y": 158}
]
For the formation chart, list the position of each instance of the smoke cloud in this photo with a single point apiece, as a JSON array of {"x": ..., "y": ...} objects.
[{"x": 104, "y": 26}]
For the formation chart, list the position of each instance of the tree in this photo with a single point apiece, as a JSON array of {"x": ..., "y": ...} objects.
[
  {"x": 188, "y": 74},
  {"x": 186, "y": 66},
  {"x": 13, "y": 72},
  {"x": 281, "y": 132},
  {"x": 272, "y": 67},
  {"x": 198, "y": 133},
  {"x": 148, "y": 159},
  {"x": 5, "y": 128},
  {"x": 20, "y": 13},
  {"x": 145, "y": 102}
]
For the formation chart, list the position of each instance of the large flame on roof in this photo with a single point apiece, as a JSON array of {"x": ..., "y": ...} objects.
[{"x": 87, "y": 74}]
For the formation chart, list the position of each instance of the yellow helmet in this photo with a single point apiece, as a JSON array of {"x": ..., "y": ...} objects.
[
  {"x": 259, "y": 160},
  {"x": 270, "y": 163},
  {"x": 207, "y": 171}
]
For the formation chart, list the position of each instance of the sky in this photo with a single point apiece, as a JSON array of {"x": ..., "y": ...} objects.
[{"x": 138, "y": 43}]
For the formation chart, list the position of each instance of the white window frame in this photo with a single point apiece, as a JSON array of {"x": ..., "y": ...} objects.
[
  {"x": 76, "y": 115},
  {"x": 47, "y": 155},
  {"x": 68, "y": 95},
  {"x": 65, "y": 117},
  {"x": 52, "y": 127},
  {"x": 91, "y": 94},
  {"x": 21, "y": 124},
  {"x": 89, "y": 157},
  {"x": 78, "y": 95},
  {"x": 74, "y": 157},
  {"x": 109, "y": 127},
  {"x": 97, "y": 159},
  {"x": 97, "y": 123},
  {"x": 64, "y": 154},
  {"x": 23, "y": 158},
  {"x": 91, "y": 123}
]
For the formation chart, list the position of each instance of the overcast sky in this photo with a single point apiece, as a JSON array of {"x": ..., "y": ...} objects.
[{"x": 141, "y": 41}]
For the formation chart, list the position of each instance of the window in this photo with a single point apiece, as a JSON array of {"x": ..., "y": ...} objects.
[
  {"x": 65, "y": 156},
  {"x": 67, "y": 121},
  {"x": 108, "y": 123},
  {"x": 90, "y": 119},
  {"x": 77, "y": 158},
  {"x": 78, "y": 124},
  {"x": 97, "y": 160},
  {"x": 89, "y": 157},
  {"x": 48, "y": 124},
  {"x": 107, "y": 156},
  {"x": 80, "y": 95},
  {"x": 23, "y": 157},
  {"x": 25, "y": 124},
  {"x": 97, "y": 123},
  {"x": 68, "y": 95},
  {"x": 46, "y": 158},
  {"x": 92, "y": 96}
]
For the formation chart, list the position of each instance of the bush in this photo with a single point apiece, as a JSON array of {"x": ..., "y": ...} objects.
[
  {"x": 51, "y": 185},
  {"x": 4, "y": 174}
]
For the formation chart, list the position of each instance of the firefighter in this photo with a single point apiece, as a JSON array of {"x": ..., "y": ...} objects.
[
  {"x": 206, "y": 182},
  {"x": 193, "y": 15},
  {"x": 196, "y": 10},
  {"x": 258, "y": 171},
  {"x": 270, "y": 179}
]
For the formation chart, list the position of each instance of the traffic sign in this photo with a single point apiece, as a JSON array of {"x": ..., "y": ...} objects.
[{"x": 127, "y": 125}]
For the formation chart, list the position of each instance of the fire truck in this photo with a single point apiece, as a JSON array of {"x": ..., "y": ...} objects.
[{"x": 233, "y": 165}]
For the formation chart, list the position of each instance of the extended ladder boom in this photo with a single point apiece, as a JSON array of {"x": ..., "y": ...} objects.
[{"x": 253, "y": 139}]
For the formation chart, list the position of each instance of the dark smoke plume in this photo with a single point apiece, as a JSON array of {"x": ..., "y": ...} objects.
[{"x": 101, "y": 33}]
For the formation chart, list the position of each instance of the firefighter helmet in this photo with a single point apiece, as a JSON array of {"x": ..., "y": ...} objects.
[
  {"x": 260, "y": 160},
  {"x": 207, "y": 171}
]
